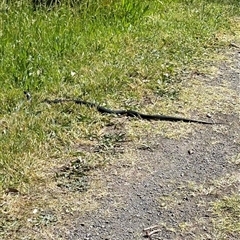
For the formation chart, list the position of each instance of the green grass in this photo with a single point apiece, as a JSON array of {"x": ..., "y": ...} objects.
[
  {"x": 116, "y": 53},
  {"x": 227, "y": 211}
]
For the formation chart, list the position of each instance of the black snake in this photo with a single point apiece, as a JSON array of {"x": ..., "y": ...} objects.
[{"x": 129, "y": 113}]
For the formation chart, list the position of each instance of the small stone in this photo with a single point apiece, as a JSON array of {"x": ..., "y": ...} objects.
[
  {"x": 190, "y": 152},
  {"x": 35, "y": 211}
]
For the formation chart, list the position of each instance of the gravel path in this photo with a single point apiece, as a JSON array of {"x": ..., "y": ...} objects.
[{"x": 170, "y": 183}]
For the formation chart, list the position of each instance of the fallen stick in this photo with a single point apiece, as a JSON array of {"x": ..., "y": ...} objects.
[{"x": 151, "y": 230}]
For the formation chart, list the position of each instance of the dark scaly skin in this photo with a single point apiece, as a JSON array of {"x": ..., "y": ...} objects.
[{"x": 129, "y": 113}]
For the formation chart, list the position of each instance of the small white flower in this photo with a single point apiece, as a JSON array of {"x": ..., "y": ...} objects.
[
  {"x": 73, "y": 73},
  {"x": 39, "y": 72}
]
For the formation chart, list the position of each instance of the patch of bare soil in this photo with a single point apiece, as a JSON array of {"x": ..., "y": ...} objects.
[{"x": 170, "y": 183}]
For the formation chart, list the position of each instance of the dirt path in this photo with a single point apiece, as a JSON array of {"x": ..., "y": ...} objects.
[{"x": 167, "y": 182}]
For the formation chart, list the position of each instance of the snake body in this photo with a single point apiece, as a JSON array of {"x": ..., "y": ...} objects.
[{"x": 129, "y": 113}]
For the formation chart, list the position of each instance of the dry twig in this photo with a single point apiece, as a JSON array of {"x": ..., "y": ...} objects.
[{"x": 151, "y": 230}]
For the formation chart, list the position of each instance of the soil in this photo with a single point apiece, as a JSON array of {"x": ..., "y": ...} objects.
[{"x": 171, "y": 183}]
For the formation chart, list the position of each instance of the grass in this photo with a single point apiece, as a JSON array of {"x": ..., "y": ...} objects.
[
  {"x": 227, "y": 210},
  {"x": 117, "y": 53}
]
